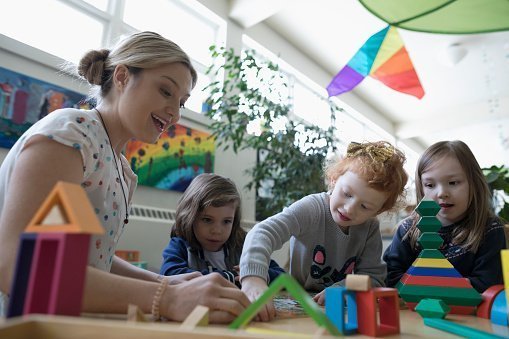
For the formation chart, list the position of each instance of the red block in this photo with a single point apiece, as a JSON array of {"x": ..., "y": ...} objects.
[
  {"x": 57, "y": 275},
  {"x": 423, "y": 280},
  {"x": 488, "y": 297},
  {"x": 388, "y": 307}
]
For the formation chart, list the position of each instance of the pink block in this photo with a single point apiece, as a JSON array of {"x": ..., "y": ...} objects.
[{"x": 57, "y": 276}]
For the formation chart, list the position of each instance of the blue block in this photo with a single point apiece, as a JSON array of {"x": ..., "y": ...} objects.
[
  {"x": 499, "y": 310},
  {"x": 21, "y": 274},
  {"x": 335, "y": 309},
  {"x": 435, "y": 272}
]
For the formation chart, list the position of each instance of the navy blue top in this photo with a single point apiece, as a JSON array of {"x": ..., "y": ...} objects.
[
  {"x": 482, "y": 268},
  {"x": 178, "y": 258}
]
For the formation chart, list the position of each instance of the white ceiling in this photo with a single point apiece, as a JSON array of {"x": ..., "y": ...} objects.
[{"x": 467, "y": 101}]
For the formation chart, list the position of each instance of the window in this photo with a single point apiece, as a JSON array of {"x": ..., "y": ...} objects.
[
  {"x": 52, "y": 26},
  {"x": 172, "y": 19}
]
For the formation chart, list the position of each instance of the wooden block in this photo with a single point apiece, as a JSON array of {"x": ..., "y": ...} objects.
[
  {"x": 460, "y": 330},
  {"x": 337, "y": 301},
  {"x": 437, "y": 272},
  {"x": 297, "y": 292},
  {"x": 198, "y": 317},
  {"x": 450, "y": 295},
  {"x": 74, "y": 209},
  {"x": 498, "y": 313},
  {"x": 432, "y": 263},
  {"x": 463, "y": 310},
  {"x": 57, "y": 275},
  {"x": 431, "y": 253},
  {"x": 128, "y": 255},
  {"x": 434, "y": 281},
  {"x": 21, "y": 276},
  {"x": 358, "y": 282},
  {"x": 134, "y": 314},
  {"x": 488, "y": 297},
  {"x": 505, "y": 271},
  {"x": 387, "y": 301}
]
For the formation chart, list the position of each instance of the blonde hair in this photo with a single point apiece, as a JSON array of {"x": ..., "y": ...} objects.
[
  {"x": 379, "y": 163},
  {"x": 206, "y": 190},
  {"x": 479, "y": 197},
  {"x": 138, "y": 51}
]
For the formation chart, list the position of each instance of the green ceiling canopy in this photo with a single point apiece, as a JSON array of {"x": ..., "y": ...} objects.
[{"x": 443, "y": 16}]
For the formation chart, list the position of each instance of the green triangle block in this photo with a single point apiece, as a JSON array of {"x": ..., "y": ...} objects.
[
  {"x": 431, "y": 254},
  {"x": 286, "y": 281},
  {"x": 429, "y": 224},
  {"x": 432, "y": 308},
  {"x": 427, "y": 208},
  {"x": 430, "y": 240}
]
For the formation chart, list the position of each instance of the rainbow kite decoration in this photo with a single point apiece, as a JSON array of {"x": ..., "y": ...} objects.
[{"x": 383, "y": 57}]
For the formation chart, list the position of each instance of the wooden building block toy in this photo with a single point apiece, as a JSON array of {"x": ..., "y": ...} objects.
[
  {"x": 77, "y": 213},
  {"x": 460, "y": 330},
  {"x": 358, "y": 282},
  {"x": 134, "y": 314},
  {"x": 58, "y": 274},
  {"x": 505, "y": 271},
  {"x": 432, "y": 308},
  {"x": 198, "y": 317},
  {"x": 337, "y": 301},
  {"x": 21, "y": 274},
  {"x": 431, "y": 274},
  {"x": 286, "y": 281},
  {"x": 499, "y": 310},
  {"x": 488, "y": 297},
  {"x": 62, "y": 227},
  {"x": 128, "y": 255},
  {"x": 387, "y": 301}
]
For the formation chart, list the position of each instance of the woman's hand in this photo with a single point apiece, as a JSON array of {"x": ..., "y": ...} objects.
[
  {"x": 180, "y": 278},
  {"x": 225, "y": 301},
  {"x": 253, "y": 287}
]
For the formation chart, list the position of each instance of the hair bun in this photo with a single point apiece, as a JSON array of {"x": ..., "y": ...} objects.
[{"x": 92, "y": 65}]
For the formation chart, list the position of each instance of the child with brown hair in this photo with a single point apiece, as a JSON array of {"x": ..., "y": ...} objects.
[
  {"x": 207, "y": 236},
  {"x": 333, "y": 233},
  {"x": 448, "y": 173}
]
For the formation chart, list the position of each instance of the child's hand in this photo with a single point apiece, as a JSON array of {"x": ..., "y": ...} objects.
[
  {"x": 236, "y": 268},
  {"x": 180, "y": 278},
  {"x": 320, "y": 298},
  {"x": 253, "y": 287}
]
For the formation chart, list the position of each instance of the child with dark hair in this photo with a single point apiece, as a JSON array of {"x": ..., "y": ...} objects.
[{"x": 207, "y": 236}]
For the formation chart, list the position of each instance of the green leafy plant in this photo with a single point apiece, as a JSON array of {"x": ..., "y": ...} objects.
[
  {"x": 498, "y": 181},
  {"x": 290, "y": 153}
]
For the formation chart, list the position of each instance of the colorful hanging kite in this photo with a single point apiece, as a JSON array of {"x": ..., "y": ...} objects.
[{"x": 383, "y": 57}]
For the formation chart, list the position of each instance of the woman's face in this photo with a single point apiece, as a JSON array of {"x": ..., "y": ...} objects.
[{"x": 150, "y": 101}]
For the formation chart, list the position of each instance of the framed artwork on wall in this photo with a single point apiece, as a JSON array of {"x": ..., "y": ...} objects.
[
  {"x": 24, "y": 100},
  {"x": 179, "y": 155}
]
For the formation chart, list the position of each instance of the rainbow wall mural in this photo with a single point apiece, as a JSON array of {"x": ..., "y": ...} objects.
[{"x": 171, "y": 164}]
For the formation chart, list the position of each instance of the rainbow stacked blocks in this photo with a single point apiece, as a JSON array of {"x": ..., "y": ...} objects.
[{"x": 431, "y": 274}]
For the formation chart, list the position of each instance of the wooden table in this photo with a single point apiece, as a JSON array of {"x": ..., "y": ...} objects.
[{"x": 56, "y": 327}]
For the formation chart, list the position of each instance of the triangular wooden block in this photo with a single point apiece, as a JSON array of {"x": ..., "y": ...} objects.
[
  {"x": 66, "y": 209},
  {"x": 134, "y": 314},
  {"x": 286, "y": 281},
  {"x": 198, "y": 317}
]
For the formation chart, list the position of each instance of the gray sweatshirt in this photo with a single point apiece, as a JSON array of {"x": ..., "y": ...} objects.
[{"x": 321, "y": 254}]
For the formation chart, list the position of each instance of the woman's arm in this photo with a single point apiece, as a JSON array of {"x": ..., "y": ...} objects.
[{"x": 38, "y": 168}]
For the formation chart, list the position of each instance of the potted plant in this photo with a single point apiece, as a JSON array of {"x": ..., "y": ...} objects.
[
  {"x": 498, "y": 181},
  {"x": 290, "y": 153}
]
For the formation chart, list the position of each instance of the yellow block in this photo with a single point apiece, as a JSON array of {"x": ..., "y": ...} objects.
[
  {"x": 429, "y": 262},
  {"x": 505, "y": 270}
]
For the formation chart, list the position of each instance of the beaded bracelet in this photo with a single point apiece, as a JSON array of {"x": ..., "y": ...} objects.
[{"x": 157, "y": 300}]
